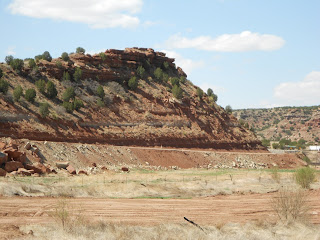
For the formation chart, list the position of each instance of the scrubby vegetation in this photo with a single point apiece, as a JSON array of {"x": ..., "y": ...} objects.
[
  {"x": 30, "y": 95},
  {"x": 305, "y": 176}
]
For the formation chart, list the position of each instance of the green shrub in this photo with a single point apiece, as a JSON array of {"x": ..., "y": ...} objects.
[
  {"x": 77, "y": 104},
  {"x": 9, "y": 59},
  {"x": 17, "y": 64},
  {"x": 158, "y": 74},
  {"x": 100, "y": 103},
  {"x": 305, "y": 176},
  {"x": 141, "y": 71},
  {"x": 80, "y": 50},
  {"x": 177, "y": 92},
  {"x": 165, "y": 65},
  {"x": 17, "y": 93},
  {"x": 175, "y": 81},
  {"x": 59, "y": 64},
  {"x": 209, "y": 92},
  {"x": 183, "y": 79},
  {"x": 4, "y": 86},
  {"x": 66, "y": 76},
  {"x": 100, "y": 92},
  {"x": 103, "y": 56},
  {"x": 51, "y": 90},
  {"x": 65, "y": 56},
  {"x": 44, "y": 109},
  {"x": 30, "y": 95},
  {"x": 68, "y": 106},
  {"x": 1, "y": 73},
  {"x": 213, "y": 98},
  {"x": 32, "y": 63},
  {"x": 229, "y": 109},
  {"x": 165, "y": 77},
  {"x": 199, "y": 93},
  {"x": 41, "y": 85},
  {"x": 77, "y": 74},
  {"x": 68, "y": 94},
  {"x": 46, "y": 56},
  {"x": 38, "y": 58},
  {"x": 133, "y": 83}
]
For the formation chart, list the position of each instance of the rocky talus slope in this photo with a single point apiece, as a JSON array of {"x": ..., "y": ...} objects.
[{"x": 146, "y": 116}]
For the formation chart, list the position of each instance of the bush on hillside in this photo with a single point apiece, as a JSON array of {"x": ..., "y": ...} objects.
[
  {"x": 80, "y": 50},
  {"x": 177, "y": 92},
  {"x": 100, "y": 92},
  {"x": 17, "y": 93},
  {"x": 209, "y": 92},
  {"x": 46, "y": 56},
  {"x": 51, "y": 90},
  {"x": 175, "y": 81},
  {"x": 69, "y": 94},
  {"x": 9, "y": 59},
  {"x": 44, "y": 109},
  {"x": 229, "y": 109},
  {"x": 103, "y": 56},
  {"x": 141, "y": 71},
  {"x": 1, "y": 73},
  {"x": 65, "y": 56},
  {"x": 199, "y": 93},
  {"x": 77, "y": 74},
  {"x": 77, "y": 104},
  {"x": 30, "y": 95},
  {"x": 32, "y": 64},
  {"x": 68, "y": 106},
  {"x": 165, "y": 65},
  {"x": 17, "y": 64},
  {"x": 41, "y": 85},
  {"x": 66, "y": 76},
  {"x": 4, "y": 86},
  {"x": 133, "y": 83},
  {"x": 158, "y": 74}
]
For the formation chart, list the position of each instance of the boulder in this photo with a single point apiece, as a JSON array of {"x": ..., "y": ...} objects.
[
  {"x": 23, "y": 172},
  {"x": 13, "y": 166},
  {"x": 71, "y": 170},
  {"x": 3, "y": 158},
  {"x": 2, "y": 145},
  {"x": 43, "y": 168},
  {"x": 22, "y": 158},
  {"x": 34, "y": 168},
  {"x": 27, "y": 146},
  {"x": 104, "y": 168},
  {"x": 83, "y": 172},
  {"x": 62, "y": 164},
  {"x": 13, "y": 153},
  {"x": 125, "y": 169},
  {"x": 3, "y": 173}
]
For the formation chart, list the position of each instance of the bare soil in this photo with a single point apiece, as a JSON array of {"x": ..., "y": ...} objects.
[{"x": 17, "y": 211}]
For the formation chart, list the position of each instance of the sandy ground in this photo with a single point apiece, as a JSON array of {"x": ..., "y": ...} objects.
[{"x": 17, "y": 211}]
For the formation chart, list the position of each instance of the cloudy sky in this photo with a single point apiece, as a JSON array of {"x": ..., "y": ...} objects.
[{"x": 252, "y": 53}]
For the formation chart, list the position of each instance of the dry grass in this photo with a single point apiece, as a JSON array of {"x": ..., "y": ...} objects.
[
  {"x": 152, "y": 184},
  {"x": 103, "y": 230},
  {"x": 291, "y": 205}
]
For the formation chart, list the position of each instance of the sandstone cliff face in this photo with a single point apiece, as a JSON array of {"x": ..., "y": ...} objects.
[{"x": 147, "y": 116}]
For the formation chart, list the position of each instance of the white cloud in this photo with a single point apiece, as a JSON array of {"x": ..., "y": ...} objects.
[
  {"x": 95, "y": 13},
  {"x": 242, "y": 42},
  {"x": 11, "y": 50},
  {"x": 305, "y": 92},
  {"x": 186, "y": 64}
]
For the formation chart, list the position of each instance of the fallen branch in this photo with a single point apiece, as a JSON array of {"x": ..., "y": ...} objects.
[{"x": 193, "y": 223}]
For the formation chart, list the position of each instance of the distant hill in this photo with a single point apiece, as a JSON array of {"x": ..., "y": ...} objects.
[
  {"x": 134, "y": 96},
  {"x": 293, "y": 123}
]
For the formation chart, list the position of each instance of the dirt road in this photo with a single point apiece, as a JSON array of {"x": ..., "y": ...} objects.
[{"x": 206, "y": 211}]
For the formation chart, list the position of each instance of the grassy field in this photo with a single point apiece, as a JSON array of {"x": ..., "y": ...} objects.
[{"x": 141, "y": 183}]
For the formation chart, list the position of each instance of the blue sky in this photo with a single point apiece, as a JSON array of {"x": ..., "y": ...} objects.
[{"x": 252, "y": 53}]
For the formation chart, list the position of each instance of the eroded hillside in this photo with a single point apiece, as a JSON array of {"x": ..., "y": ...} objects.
[
  {"x": 146, "y": 114},
  {"x": 292, "y": 123}
]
